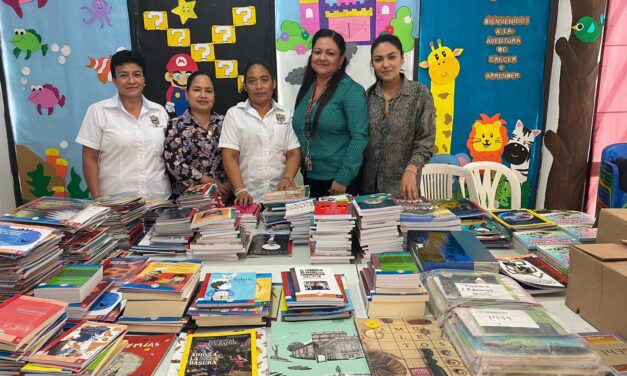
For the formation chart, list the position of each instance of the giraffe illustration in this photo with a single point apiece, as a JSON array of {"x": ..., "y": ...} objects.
[{"x": 443, "y": 69}]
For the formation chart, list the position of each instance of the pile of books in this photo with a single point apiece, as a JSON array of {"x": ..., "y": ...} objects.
[
  {"x": 298, "y": 214},
  {"x": 489, "y": 340},
  {"x": 27, "y": 324},
  {"x": 125, "y": 222},
  {"x": 158, "y": 296},
  {"x": 273, "y": 214},
  {"x": 575, "y": 223},
  {"x": 377, "y": 224},
  {"x": 528, "y": 241},
  {"x": 29, "y": 254},
  {"x": 533, "y": 273},
  {"x": 219, "y": 235},
  {"x": 489, "y": 232},
  {"x": 521, "y": 220},
  {"x": 557, "y": 256},
  {"x": 426, "y": 216},
  {"x": 87, "y": 348},
  {"x": 72, "y": 285},
  {"x": 463, "y": 208},
  {"x": 270, "y": 245},
  {"x": 314, "y": 293},
  {"x": 391, "y": 286},
  {"x": 332, "y": 232},
  {"x": 248, "y": 215},
  {"x": 583, "y": 233},
  {"x": 170, "y": 234},
  {"x": 455, "y": 288},
  {"x": 235, "y": 299},
  {"x": 450, "y": 250},
  {"x": 202, "y": 196},
  {"x": 154, "y": 207},
  {"x": 89, "y": 247}
]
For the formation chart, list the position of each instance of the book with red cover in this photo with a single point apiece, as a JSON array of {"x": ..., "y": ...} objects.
[
  {"x": 250, "y": 209},
  {"x": 22, "y": 317},
  {"x": 143, "y": 355},
  {"x": 336, "y": 210},
  {"x": 119, "y": 270}
]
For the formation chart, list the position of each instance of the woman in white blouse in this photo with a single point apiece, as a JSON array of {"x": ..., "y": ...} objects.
[{"x": 122, "y": 136}]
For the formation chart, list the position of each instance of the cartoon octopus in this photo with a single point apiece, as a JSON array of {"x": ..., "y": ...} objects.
[{"x": 99, "y": 10}]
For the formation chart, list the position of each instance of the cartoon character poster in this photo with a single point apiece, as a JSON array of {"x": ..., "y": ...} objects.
[
  {"x": 484, "y": 63},
  {"x": 55, "y": 56},
  {"x": 359, "y": 22},
  {"x": 179, "y": 37}
]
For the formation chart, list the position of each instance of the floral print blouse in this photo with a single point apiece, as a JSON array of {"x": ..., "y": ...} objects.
[{"x": 190, "y": 151}]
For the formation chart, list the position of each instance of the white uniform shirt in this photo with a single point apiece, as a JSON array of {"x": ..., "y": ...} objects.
[
  {"x": 262, "y": 144},
  {"x": 131, "y": 150}
]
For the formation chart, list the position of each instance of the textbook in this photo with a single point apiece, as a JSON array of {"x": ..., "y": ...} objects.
[
  {"x": 120, "y": 270},
  {"x": 17, "y": 240},
  {"x": 168, "y": 280},
  {"x": 142, "y": 356},
  {"x": 72, "y": 285},
  {"x": 227, "y": 290},
  {"x": 521, "y": 219}
]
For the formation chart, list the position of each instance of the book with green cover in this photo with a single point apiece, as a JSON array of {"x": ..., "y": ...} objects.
[
  {"x": 393, "y": 262},
  {"x": 73, "y": 276},
  {"x": 307, "y": 348}
]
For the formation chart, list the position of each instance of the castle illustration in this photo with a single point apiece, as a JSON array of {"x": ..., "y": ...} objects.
[
  {"x": 328, "y": 346},
  {"x": 359, "y": 21}
]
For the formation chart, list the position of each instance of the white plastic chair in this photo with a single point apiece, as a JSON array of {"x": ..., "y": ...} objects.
[
  {"x": 437, "y": 182},
  {"x": 487, "y": 176}
]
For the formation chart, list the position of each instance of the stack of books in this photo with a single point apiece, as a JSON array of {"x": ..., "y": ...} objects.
[
  {"x": 88, "y": 247},
  {"x": 27, "y": 323},
  {"x": 521, "y": 219},
  {"x": 454, "y": 288},
  {"x": 377, "y": 224},
  {"x": 450, "y": 250},
  {"x": 489, "y": 340},
  {"x": 219, "y": 235},
  {"x": 158, "y": 296},
  {"x": 120, "y": 270},
  {"x": 270, "y": 245},
  {"x": 87, "y": 348},
  {"x": 235, "y": 299},
  {"x": 391, "y": 286},
  {"x": 489, "y": 232},
  {"x": 557, "y": 256},
  {"x": 273, "y": 214},
  {"x": 125, "y": 223},
  {"x": 331, "y": 233},
  {"x": 201, "y": 197},
  {"x": 314, "y": 293},
  {"x": 299, "y": 214},
  {"x": 533, "y": 273},
  {"x": 72, "y": 285},
  {"x": 170, "y": 234},
  {"x": 426, "y": 216},
  {"x": 29, "y": 255},
  {"x": 154, "y": 207},
  {"x": 528, "y": 241},
  {"x": 463, "y": 208},
  {"x": 248, "y": 215},
  {"x": 567, "y": 217},
  {"x": 583, "y": 233}
]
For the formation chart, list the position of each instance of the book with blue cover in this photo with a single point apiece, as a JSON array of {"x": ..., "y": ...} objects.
[
  {"x": 228, "y": 289},
  {"x": 307, "y": 348},
  {"x": 17, "y": 240},
  {"x": 450, "y": 250},
  {"x": 376, "y": 202},
  {"x": 461, "y": 207}
]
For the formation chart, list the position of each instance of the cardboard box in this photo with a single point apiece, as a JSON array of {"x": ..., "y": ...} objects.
[
  {"x": 612, "y": 226},
  {"x": 597, "y": 285}
]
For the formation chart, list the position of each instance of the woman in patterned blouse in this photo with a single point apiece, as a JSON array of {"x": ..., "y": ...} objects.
[
  {"x": 191, "y": 145},
  {"x": 402, "y": 125}
]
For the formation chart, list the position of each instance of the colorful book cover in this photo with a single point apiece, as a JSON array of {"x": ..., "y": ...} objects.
[
  {"x": 375, "y": 201},
  {"x": 581, "y": 232},
  {"x": 206, "y": 190},
  {"x": 226, "y": 353},
  {"x": 393, "y": 262},
  {"x": 568, "y": 217},
  {"x": 450, "y": 250},
  {"x": 119, "y": 270},
  {"x": 532, "y": 239},
  {"x": 206, "y": 217},
  {"x": 611, "y": 348},
  {"x": 311, "y": 281},
  {"x": 529, "y": 270},
  {"x": 168, "y": 276},
  {"x": 176, "y": 214},
  {"x": 220, "y": 289},
  {"x": 332, "y": 209},
  {"x": 408, "y": 347},
  {"x": 141, "y": 356},
  {"x": 270, "y": 245},
  {"x": 19, "y": 240},
  {"x": 78, "y": 346},
  {"x": 50, "y": 210},
  {"x": 298, "y": 192},
  {"x": 558, "y": 254},
  {"x": 519, "y": 217},
  {"x": 72, "y": 276},
  {"x": 461, "y": 207},
  {"x": 92, "y": 298},
  {"x": 310, "y": 348},
  {"x": 107, "y": 303},
  {"x": 22, "y": 315},
  {"x": 263, "y": 288},
  {"x": 248, "y": 210},
  {"x": 485, "y": 228}
]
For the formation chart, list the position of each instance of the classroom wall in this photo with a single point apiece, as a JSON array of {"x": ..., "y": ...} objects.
[{"x": 7, "y": 197}]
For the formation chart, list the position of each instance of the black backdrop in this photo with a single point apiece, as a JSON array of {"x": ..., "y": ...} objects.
[{"x": 252, "y": 42}]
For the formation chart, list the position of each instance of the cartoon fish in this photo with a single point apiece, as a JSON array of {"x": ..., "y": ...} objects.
[
  {"x": 102, "y": 66},
  {"x": 27, "y": 41},
  {"x": 17, "y": 5},
  {"x": 46, "y": 96},
  {"x": 587, "y": 29}
]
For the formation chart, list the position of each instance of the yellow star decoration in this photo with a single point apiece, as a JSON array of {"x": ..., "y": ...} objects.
[{"x": 185, "y": 10}]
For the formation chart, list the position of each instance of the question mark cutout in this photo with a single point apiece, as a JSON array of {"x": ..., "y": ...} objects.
[
  {"x": 226, "y": 68},
  {"x": 155, "y": 20},
  {"x": 178, "y": 37},
  {"x": 222, "y": 34},
  {"x": 244, "y": 16},
  {"x": 202, "y": 52}
]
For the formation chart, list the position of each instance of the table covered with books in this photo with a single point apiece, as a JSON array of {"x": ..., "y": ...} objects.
[{"x": 339, "y": 286}]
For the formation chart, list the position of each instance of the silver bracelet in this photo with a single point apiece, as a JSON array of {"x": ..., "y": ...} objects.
[{"x": 240, "y": 191}]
